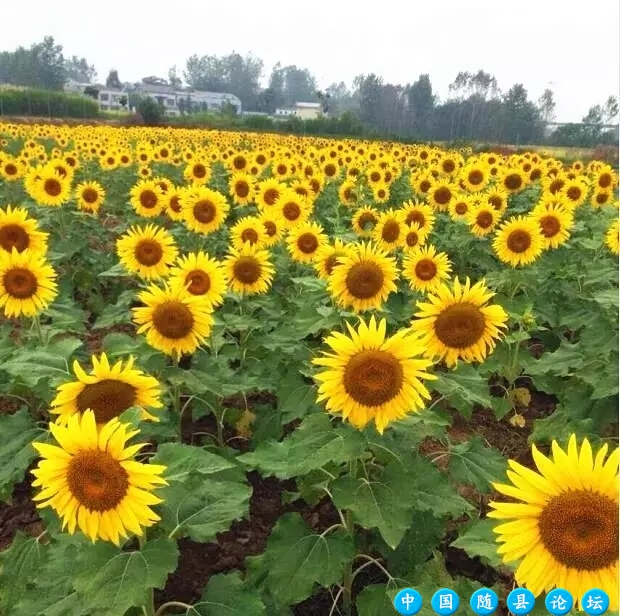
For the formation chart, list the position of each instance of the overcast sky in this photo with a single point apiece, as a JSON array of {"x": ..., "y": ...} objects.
[{"x": 571, "y": 47}]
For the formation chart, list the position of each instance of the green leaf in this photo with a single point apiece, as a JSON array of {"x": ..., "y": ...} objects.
[
  {"x": 184, "y": 460},
  {"x": 312, "y": 445},
  {"x": 16, "y": 451},
  {"x": 464, "y": 387},
  {"x": 479, "y": 540},
  {"x": 201, "y": 507},
  {"x": 112, "y": 581},
  {"x": 376, "y": 600},
  {"x": 117, "y": 312},
  {"x": 474, "y": 464},
  {"x": 17, "y": 564},
  {"x": 228, "y": 595},
  {"x": 296, "y": 559}
]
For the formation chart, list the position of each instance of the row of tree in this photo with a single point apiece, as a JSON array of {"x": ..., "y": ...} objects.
[{"x": 475, "y": 109}]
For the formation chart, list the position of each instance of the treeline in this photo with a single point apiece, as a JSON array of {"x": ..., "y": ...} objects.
[{"x": 476, "y": 108}]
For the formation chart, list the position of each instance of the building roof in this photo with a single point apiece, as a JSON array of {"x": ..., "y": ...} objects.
[{"x": 308, "y": 105}]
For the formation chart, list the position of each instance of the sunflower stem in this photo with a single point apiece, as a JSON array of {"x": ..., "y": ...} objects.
[
  {"x": 38, "y": 328},
  {"x": 347, "y": 582},
  {"x": 163, "y": 608},
  {"x": 148, "y": 609}
]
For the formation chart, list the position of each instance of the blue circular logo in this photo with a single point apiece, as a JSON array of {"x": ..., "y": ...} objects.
[
  {"x": 408, "y": 601},
  {"x": 445, "y": 602},
  {"x": 484, "y": 601},
  {"x": 559, "y": 602},
  {"x": 595, "y": 601},
  {"x": 521, "y": 601}
]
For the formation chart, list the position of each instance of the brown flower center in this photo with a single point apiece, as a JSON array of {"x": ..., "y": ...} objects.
[
  {"x": 364, "y": 280},
  {"x": 90, "y": 195},
  {"x": 412, "y": 239},
  {"x": 20, "y": 283},
  {"x": 425, "y": 269},
  {"x": 460, "y": 326},
  {"x": 247, "y": 270},
  {"x": 242, "y": 189},
  {"x": 291, "y": 211},
  {"x": 271, "y": 196},
  {"x": 519, "y": 241},
  {"x": 239, "y": 163},
  {"x": 390, "y": 231},
  {"x": 513, "y": 181},
  {"x": 10, "y": 169},
  {"x": 556, "y": 186},
  {"x": 496, "y": 201},
  {"x": 417, "y": 217},
  {"x": 249, "y": 235},
  {"x": 307, "y": 243},
  {"x": 602, "y": 198},
  {"x": 373, "y": 377},
  {"x": 484, "y": 220},
  {"x": 580, "y": 529},
  {"x": 448, "y": 166},
  {"x": 148, "y": 199},
  {"x": 148, "y": 252},
  {"x": 550, "y": 226},
  {"x": 14, "y": 236},
  {"x": 461, "y": 208},
  {"x": 199, "y": 282},
  {"x": 604, "y": 180},
  {"x": 367, "y": 221},
  {"x": 475, "y": 177},
  {"x": 96, "y": 480},
  {"x": 443, "y": 195},
  {"x": 424, "y": 186},
  {"x": 204, "y": 211},
  {"x": 173, "y": 320},
  {"x": 107, "y": 399},
  {"x": 175, "y": 204},
  {"x": 574, "y": 193},
  {"x": 52, "y": 187}
]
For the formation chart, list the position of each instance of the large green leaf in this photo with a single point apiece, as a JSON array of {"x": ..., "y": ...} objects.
[
  {"x": 228, "y": 595},
  {"x": 474, "y": 464},
  {"x": 480, "y": 540},
  {"x": 111, "y": 582},
  {"x": 296, "y": 559},
  {"x": 183, "y": 460},
  {"x": 463, "y": 387},
  {"x": 314, "y": 444},
  {"x": 376, "y": 600},
  {"x": 16, "y": 451}
]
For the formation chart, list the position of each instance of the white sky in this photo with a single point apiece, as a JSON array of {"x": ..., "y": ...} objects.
[{"x": 568, "y": 45}]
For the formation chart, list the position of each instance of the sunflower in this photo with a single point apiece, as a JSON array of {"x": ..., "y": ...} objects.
[
  {"x": 611, "y": 237},
  {"x": 575, "y": 191},
  {"x": 51, "y": 188},
  {"x": 600, "y": 198},
  {"x": 19, "y": 232},
  {"x": 606, "y": 178},
  {"x": 108, "y": 391},
  {"x": 348, "y": 193},
  {"x": 273, "y": 228},
  {"x": 249, "y": 270},
  {"x": 513, "y": 180},
  {"x": 27, "y": 283},
  {"x": 202, "y": 275},
  {"x": 304, "y": 240},
  {"x": 425, "y": 268},
  {"x": 564, "y": 530},
  {"x": 364, "y": 221},
  {"x": 268, "y": 192},
  {"x": 368, "y": 377},
  {"x": 197, "y": 172},
  {"x": 292, "y": 209},
  {"x": 364, "y": 279},
  {"x": 461, "y": 206},
  {"x": 482, "y": 220},
  {"x": 498, "y": 198},
  {"x": 414, "y": 236},
  {"x": 204, "y": 210},
  {"x": 173, "y": 206},
  {"x": 10, "y": 169},
  {"x": 242, "y": 188},
  {"x": 92, "y": 482},
  {"x": 519, "y": 241},
  {"x": 381, "y": 193},
  {"x": 175, "y": 321},
  {"x": 440, "y": 194},
  {"x": 457, "y": 323},
  {"x": 248, "y": 229},
  {"x": 90, "y": 196},
  {"x": 475, "y": 176},
  {"x": 554, "y": 223},
  {"x": 147, "y": 198},
  {"x": 420, "y": 213},
  {"x": 389, "y": 232},
  {"x": 148, "y": 251},
  {"x": 328, "y": 256}
]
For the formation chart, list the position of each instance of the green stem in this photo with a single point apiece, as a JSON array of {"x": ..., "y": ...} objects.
[
  {"x": 163, "y": 608},
  {"x": 148, "y": 609},
  {"x": 347, "y": 581},
  {"x": 219, "y": 418},
  {"x": 39, "y": 330}
]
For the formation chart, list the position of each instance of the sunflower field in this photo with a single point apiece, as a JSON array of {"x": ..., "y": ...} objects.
[{"x": 254, "y": 374}]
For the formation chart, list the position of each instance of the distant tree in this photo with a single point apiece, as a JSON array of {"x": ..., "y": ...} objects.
[
  {"x": 420, "y": 106},
  {"x": 369, "y": 88},
  {"x": 341, "y": 99},
  {"x": 228, "y": 109},
  {"x": 151, "y": 111},
  {"x": 112, "y": 81},
  {"x": 546, "y": 106},
  {"x": 173, "y": 79},
  {"x": 92, "y": 91},
  {"x": 123, "y": 101},
  {"x": 267, "y": 101},
  {"x": 324, "y": 99},
  {"x": 79, "y": 70},
  {"x": 521, "y": 117},
  {"x": 610, "y": 110}
]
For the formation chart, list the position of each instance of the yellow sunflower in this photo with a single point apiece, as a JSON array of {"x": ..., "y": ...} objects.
[
  {"x": 248, "y": 229},
  {"x": 420, "y": 213},
  {"x": 242, "y": 188},
  {"x": 364, "y": 279},
  {"x": 611, "y": 237},
  {"x": 475, "y": 176},
  {"x": 292, "y": 209},
  {"x": 425, "y": 268},
  {"x": 268, "y": 192},
  {"x": 498, "y": 198},
  {"x": 513, "y": 180},
  {"x": 27, "y": 283},
  {"x": 147, "y": 198},
  {"x": 51, "y": 188},
  {"x": 457, "y": 323},
  {"x": 273, "y": 228},
  {"x": 148, "y": 251},
  {"x": 328, "y": 256},
  {"x": 519, "y": 241},
  {"x": 92, "y": 482},
  {"x": 389, "y": 232},
  {"x": 90, "y": 196},
  {"x": 304, "y": 240},
  {"x": 348, "y": 193},
  {"x": 202, "y": 275},
  {"x": 461, "y": 206},
  {"x": 364, "y": 221},
  {"x": 370, "y": 377},
  {"x": 555, "y": 223},
  {"x": 600, "y": 198},
  {"x": 204, "y": 210},
  {"x": 108, "y": 391},
  {"x": 482, "y": 220},
  {"x": 197, "y": 172},
  {"x": 249, "y": 270},
  {"x": 414, "y": 237},
  {"x": 174, "y": 320},
  {"x": 20, "y": 232},
  {"x": 575, "y": 191},
  {"x": 381, "y": 193},
  {"x": 564, "y": 529},
  {"x": 440, "y": 194},
  {"x": 173, "y": 203}
]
